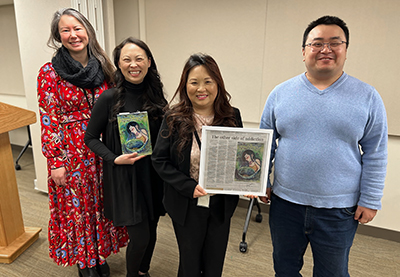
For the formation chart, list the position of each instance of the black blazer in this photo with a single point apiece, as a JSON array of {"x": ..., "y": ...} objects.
[{"x": 178, "y": 185}]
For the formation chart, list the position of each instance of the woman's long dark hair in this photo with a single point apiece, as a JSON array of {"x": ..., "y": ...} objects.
[
  {"x": 180, "y": 118},
  {"x": 153, "y": 99},
  {"x": 93, "y": 45}
]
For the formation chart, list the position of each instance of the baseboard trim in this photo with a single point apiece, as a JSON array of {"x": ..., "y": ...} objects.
[
  {"x": 367, "y": 230},
  {"x": 378, "y": 232}
]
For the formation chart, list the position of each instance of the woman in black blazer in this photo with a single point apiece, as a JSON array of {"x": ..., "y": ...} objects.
[{"x": 201, "y": 222}]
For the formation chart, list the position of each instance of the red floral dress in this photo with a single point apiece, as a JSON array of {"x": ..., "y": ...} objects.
[{"x": 78, "y": 231}]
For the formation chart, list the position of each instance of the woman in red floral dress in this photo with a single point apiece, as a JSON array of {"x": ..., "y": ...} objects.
[{"x": 67, "y": 90}]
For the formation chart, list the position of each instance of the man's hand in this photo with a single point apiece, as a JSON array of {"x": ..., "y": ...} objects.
[
  {"x": 364, "y": 215},
  {"x": 266, "y": 199}
]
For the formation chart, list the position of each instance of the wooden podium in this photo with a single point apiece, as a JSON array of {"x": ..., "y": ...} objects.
[{"x": 14, "y": 237}]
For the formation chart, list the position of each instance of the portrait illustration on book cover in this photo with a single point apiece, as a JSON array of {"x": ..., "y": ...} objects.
[{"x": 134, "y": 132}]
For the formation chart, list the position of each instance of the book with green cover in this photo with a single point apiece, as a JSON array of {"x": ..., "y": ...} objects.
[{"x": 134, "y": 132}]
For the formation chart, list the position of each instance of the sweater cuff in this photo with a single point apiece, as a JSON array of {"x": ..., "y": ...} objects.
[{"x": 368, "y": 202}]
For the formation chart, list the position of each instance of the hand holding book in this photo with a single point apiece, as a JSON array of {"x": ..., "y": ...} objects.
[{"x": 127, "y": 159}]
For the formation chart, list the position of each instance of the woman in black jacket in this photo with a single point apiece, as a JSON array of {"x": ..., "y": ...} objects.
[
  {"x": 201, "y": 222},
  {"x": 132, "y": 189}
]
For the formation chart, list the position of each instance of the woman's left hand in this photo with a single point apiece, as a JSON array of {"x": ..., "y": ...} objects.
[
  {"x": 128, "y": 158},
  {"x": 199, "y": 191}
]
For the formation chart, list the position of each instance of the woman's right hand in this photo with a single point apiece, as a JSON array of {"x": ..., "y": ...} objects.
[
  {"x": 59, "y": 176},
  {"x": 127, "y": 159},
  {"x": 199, "y": 191}
]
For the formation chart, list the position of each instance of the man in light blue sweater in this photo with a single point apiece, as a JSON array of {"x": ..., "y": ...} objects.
[{"x": 330, "y": 159}]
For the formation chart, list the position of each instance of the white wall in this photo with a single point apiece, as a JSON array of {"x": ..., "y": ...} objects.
[
  {"x": 388, "y": 217},
  {"x": 10, "y": 71},
  {"x": 233, "y": 32},
  {"x": 256, "y": 43},
  {"x": 12, "y": 89},
  {"x": 109, "y": 26},
  {"x": 126, "y": 16}
]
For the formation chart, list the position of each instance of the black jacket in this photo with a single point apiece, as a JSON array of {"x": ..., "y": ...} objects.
[
  {"x": 178, "y": 185},
  {"x": 131, "y": 192}
]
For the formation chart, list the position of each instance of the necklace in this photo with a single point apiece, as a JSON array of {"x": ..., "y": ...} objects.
[{"x": 204, "y": 120}]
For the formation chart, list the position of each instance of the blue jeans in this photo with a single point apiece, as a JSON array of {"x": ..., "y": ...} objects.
[{"x": 330, "y": 233}]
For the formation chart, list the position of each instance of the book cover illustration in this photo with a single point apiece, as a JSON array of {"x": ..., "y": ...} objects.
[{"x": 134, "y": 131}]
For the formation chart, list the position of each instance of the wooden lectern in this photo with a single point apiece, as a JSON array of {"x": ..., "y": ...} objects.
[{"x": 14, "y": 237}]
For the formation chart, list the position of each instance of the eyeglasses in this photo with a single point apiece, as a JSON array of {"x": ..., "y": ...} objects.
[{"x": 317, "y": 46}]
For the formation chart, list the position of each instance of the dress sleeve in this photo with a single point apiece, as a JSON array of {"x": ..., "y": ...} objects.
[
  {"x": 50, "y": 105},
  {"x": 97, "y": 126},
  {"x": 166, "y": 164}
]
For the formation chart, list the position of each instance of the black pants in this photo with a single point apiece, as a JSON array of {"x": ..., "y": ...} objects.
[
  {"x": 142, "y": 240},
  {"x": 202, "y": 243}
]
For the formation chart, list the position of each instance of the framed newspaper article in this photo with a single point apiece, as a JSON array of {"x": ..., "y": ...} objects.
[{"x": 235, "y": 160}]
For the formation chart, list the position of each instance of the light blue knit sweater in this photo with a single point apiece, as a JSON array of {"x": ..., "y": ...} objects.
[{"x": 320, "y": 133}]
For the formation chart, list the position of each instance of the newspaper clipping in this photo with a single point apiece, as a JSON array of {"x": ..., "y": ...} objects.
[{"x": 235, "y": 160}]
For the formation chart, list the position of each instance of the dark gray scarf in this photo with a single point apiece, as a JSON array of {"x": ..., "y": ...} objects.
[{"x": 71, "y": 70}]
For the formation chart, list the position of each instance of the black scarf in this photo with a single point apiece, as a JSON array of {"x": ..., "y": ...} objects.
[{"x": 72, "y": 71}]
